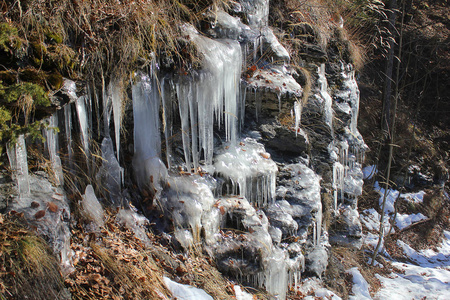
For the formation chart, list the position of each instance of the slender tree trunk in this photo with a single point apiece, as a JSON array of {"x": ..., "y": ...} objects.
[{"x": 387, "y": 89}]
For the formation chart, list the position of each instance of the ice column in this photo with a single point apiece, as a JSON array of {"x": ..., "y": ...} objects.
[
  {"x": 115, "y": 92},
  {"x": 110, "y": 172},
  {"x": 81, "y": 108},
  {"x": 68, "y": 129},
  {"x": 149, "y": 170},
  {"x": 52, "y": 146},
  {"x": 17, "y": 155},
  {"x": 210, "y": 96},
  {"x": 328, "y": 110}
]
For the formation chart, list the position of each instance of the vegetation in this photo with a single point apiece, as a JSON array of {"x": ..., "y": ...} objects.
[{"x": 29, "y": 268}]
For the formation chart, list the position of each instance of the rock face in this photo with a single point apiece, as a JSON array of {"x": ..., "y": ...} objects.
[{"x": 256, "y": 160}]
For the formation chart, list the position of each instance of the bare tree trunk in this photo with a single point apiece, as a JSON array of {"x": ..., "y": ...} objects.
[{"x": 387, "y": 89}]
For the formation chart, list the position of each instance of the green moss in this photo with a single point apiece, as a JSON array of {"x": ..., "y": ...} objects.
[
  {"x": 8, "y": 77},
  {"x": 39, "y": 49},
  {"x": 15, "y": 92},
  {"x": 32, "y": 75},
  {"x": 9, "y": 39},
  {"x": 62, "y": 58},
  {"x": 53, "y": 38},
  {"x": 5, "y": 115},
  {"x": 55, "y": 80}
]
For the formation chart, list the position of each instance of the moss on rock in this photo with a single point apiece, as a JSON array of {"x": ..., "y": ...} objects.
[{"x": 15, "y": 92}]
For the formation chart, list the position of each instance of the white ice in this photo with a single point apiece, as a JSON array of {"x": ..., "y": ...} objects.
[
  {"x": 149, "y": 170},
  {"x": 185, "y": 292},
  {"x": 250, "y": 170},
  {"x": 17, "y": 155},
  {"x": 92, "y": 209},
  {"x": 241, "y": 294},
  {"x": 360, "y": 287},
  {"x": 211, "y": 97}
]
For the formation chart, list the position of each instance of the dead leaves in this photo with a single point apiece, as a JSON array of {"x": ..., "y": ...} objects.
[
  {"x": 39, "y": 215},
  {"x": 52, "y": 207}
]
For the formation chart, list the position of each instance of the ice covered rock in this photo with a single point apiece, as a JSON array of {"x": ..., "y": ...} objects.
[
  {"x": 350, "y": 217},
  {"x": 46, "y": 208},
  {"x": 317, "y": 261},
  {"x": 248, "y": 170},
  {"x": 92, "y": 209},
  {"x": 280, "y": 215},
  {"x": 17, "y": 155},
  {"x": 110, "y": 173},
  {"x": 190, "y": 203},
  {"x": 225, "y": 26},
  {"x": 300, "y": 187}
]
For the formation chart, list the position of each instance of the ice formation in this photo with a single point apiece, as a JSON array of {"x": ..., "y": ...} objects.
[
  {"x": 150, "y": 171},
  {"x": 211, "y": 97},
  {"x": 110, "y": 173},
  {"x": 217, "y": 188},
  {"x": 17, "y": 155},
  {"x": 248, "y": 170},
  {"x": 185, "y": 292},
  {"x": 51, "y": 137},
  {"x": 327, "y": 100},
  {"x": 92, "y": 209}
]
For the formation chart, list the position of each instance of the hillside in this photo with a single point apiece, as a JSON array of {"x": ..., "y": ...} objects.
[{"x": 224, "y": 149}]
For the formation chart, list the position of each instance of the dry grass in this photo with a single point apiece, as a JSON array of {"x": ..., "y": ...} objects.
[
  {"x": 28, "y": 268},
  {"x": 108, "y": 36}
]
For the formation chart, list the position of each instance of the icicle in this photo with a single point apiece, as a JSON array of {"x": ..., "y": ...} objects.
[
  {"x": 52, "y": 147},
  {"x": 149, "y": 170},
  {"x": 298, "y": 115},
  {"x": 213, "y": 93},
  {"x": 115, "y": 92},
  {"x": 166, "y": 99},
  {"x": 338, "y": 182},
  {"x": 68, "y": 130},
  {"x": 80, "y": 106},
  {"x": 107, "y": 107},
  {"x": 276, "y": 274},
  {"x": 328, "y": 110},
  {"x": 17, "y": 155},
  {"x": 110, "y": 173}
]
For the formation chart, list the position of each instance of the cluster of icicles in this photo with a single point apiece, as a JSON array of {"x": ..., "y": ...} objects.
[{"x": 203, "y": 102}]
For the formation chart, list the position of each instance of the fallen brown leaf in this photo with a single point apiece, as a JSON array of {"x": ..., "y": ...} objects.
[
  {"x": 39, "y": 214},
  {"x": 52, "y": 207}
]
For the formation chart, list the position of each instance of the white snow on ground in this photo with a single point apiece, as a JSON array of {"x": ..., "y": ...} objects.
[
  {"x": 315, "y": 284},
  {"x": 371, "y": 219},
  {"x": 186, "y": 292},
  {"x": 417, "y": 283},
  {"x": 360, "y": 288},
  {"x": 429, "y": 257},
  {"x": 414, "y": 197},
  {"x": 242, "y": 295},
  {"x": 403, "y": 221},
  {"x": 391, "y": 196},
  {"x": 428, "y": 274},
  {"x": 369, "y": 172}
]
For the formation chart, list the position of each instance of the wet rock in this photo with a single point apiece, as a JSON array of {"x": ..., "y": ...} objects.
[
  {"x": 317, "y": 260},
  {"x": 46, "y": 208},
  {"x": 283, "y": 139}
]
